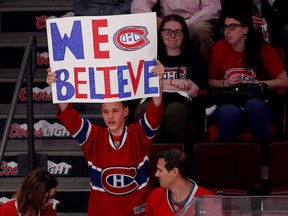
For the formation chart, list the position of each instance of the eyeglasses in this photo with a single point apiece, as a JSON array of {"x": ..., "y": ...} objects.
[
  {"x": 168, "y": 32},
  {"x": 231, "y": 26}
]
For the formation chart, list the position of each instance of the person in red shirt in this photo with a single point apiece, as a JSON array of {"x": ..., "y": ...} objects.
[
  {"x": 176, "y": 191},
  {"x": 117, "y": 155},
  {"x": 34, "y": 196},
  {"x": 239, "y": 59}
]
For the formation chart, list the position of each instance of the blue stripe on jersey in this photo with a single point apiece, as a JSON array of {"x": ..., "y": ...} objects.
[
  {"x": 82, "y": 134},
  {"x": 140, "y": 178},
  {"x": 150, "y": 132}
]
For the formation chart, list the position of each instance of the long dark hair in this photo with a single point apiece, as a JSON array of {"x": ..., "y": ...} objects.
[
  {"x": 185, "y": 46},
  {"x": 31, "y": 194},
  {"x": 253, "y": 40}
]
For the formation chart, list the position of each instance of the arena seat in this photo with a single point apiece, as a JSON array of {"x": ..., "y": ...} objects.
[
  {"x": 278, "y": 169},
  {"x": 228, "y": 168}
]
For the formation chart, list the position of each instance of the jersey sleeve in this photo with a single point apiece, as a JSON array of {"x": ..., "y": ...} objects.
[
  {"x": 70, "y": 119},
  {"x": 151, "y": 119}
]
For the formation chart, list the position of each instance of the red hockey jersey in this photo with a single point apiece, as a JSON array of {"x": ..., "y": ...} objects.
[
  {"x": 119, "y": 176},
  {"x": 158, "y": 203}
]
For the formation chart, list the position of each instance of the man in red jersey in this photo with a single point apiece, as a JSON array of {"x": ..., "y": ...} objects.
[{"x": 177, "y": 190}]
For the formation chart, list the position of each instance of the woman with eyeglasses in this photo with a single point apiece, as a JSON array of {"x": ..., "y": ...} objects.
[
  {"x": 185, "y": 73},
  {"x": 244, "y": 58},
  {"x": 34, "y": 197}
]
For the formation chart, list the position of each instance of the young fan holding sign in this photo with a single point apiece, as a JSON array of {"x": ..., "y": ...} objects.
[{"x": 117, "y": 156}]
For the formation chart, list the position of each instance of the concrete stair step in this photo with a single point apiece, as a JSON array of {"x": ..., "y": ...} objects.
[
  {"x": 48, "y": 110},
  {"x": 44, "y": 110},
  {"x": 67, "y": 184},
  {"x": 46, "y": 123},
  {"x": 20, "y": 39},
  {"x": 10, "y": 75},
  {"x": 35, "y": 5},
  {"x": 52, "y": 147}
]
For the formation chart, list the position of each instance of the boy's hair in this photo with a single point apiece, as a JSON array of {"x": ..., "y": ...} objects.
[{"x": 125, "y": 104}]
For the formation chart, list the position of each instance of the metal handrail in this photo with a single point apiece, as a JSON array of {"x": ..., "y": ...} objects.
[{"x": 28, "y": 68}]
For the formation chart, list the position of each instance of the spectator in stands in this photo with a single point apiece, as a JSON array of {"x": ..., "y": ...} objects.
[
  {"x": 176, "y": 191},
  {"x": 238, "y": 60},
  {"x": 274, "y": 11},
  {"x": 185, "y": 70},
  {"x": 101, "y": 7},
  {"x": 34, "y": 196},
  {"x": 200, "y": 17},
  {"x": 117, "y": 157}
]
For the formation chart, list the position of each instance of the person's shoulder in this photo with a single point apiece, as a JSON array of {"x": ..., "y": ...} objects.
[
  {"x": 49, "y": 211},
  {"x": 266, "y": 47},
  {"x": 8, "y": 206},
  {"x": 221, "y": 44},
  {"x": 201, "y": 191},
  {"x": 157, "y": 192},
  {"x": 9, "y": 203}
]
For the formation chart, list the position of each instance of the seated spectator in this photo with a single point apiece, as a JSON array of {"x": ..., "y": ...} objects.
[
  {"x": 176, "y": 191},
  {"x": 185, "y": 74},
  {"x": 275, "y": 13},
  {"x": 101, "y": 8},
  {"x": 34, "y": 196},
  {"x": 236, "y": 60},
  {"x": 199, "y": 16}
]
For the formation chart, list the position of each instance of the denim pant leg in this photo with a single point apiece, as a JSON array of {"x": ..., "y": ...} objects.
[
  {"x": 283, "y": 37},
  {"x": 259, "y": 114},
  {"x": 228, "y": 117}
]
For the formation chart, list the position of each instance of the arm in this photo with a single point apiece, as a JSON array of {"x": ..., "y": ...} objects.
[
  {"x": 142, "y": 6},
  {"x": 280, "y": 81},
  {"x": 257, "y": 22},
  {"x": 159, "y": 70},
  {"x": 182, "y": 85},
  {"x": 209, "y": 10},
  {"x": 51, "y": 78},
  {"x": 231, "y": 81},
  {"x": 273, "y": 67}
]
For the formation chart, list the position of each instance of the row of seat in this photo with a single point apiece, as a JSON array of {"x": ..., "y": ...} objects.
[{"x": 233, "y": 169}]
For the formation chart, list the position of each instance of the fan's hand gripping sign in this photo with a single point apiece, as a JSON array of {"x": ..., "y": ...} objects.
[{"x": 103, "y": 58}]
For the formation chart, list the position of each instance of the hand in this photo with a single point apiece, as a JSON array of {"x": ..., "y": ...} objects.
[
  {"x": 51, "y": 77},
  {"x": 181, "y": 84},
  {"x": 233, "y": 80},
  {"x": 257, "y": 22},
  {"x": 158, "y": 69}
]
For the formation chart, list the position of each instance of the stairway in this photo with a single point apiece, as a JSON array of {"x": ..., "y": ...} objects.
[{"x": 54, "y": 147}]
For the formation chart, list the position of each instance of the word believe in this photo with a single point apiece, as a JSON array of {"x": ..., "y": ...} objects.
[{"x": 66, "y": 90}]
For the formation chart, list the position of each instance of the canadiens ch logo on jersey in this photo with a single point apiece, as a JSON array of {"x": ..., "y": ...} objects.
[
  {"x": 131, "y": 38},
  {"x": 119, "y": 180}
]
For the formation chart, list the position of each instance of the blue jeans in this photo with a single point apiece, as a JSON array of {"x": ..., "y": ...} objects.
[{"x": 256, "y": 113}]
